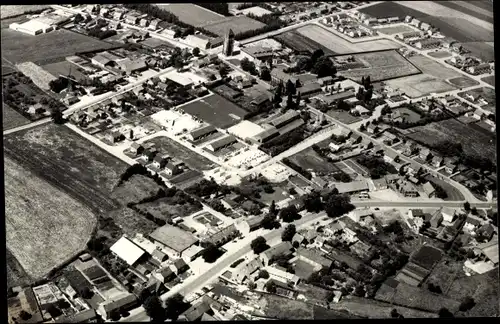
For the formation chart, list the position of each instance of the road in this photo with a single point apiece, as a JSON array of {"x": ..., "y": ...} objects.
[
  {"x": 195, "y": 283},
  {"x": 28, "y": 126},
  {"x": 419, "y": 204}
]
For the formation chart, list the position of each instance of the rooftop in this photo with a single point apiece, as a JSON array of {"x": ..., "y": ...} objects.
[
  {"x": 173, "y": 237},
  {"x": 127, "y": 251}
]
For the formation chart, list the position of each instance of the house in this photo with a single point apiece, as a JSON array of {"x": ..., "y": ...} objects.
[
  {"x": 153, "y": 25},
  {"x": 448, "y": 214},
  {"x": 425, "y": 26},
  {"x": 450, "y": 167},
  {"x": 479, "y": 69},
  {"x": 283, "y": 248},
  {"x": 436, "y": 219},
  {"x": 352, "y": 187},
  {"x": 180, "y": 266},
  {"x": 143, "y": 22},
  {"x": 298, "y": 238},
  {"x": 380, "y": 184},
  {"x": 437, "y": 161},
  {"x": 314, "y": 258},
  {"x": 172, "y": 239},
  {"x": 391, "y": 156},
  {"x": 221, "y": 237},
  {"x": 491, "y": 195},
  {"x": 197, "y": 310},
  {"x": 130, "y": 66},
  {"x": 350, "y": 235},
  {"x": 486, "y": 232},
  {"x": 282, "y": 276},
  {"x": 425, "y": 154},
  {"x": 118, "y": 304},
  {"x": 362, "y": 111},
  {"x": 479, "y": 114},
  {"x": 429, "y": 189},
  {"x": 325, "y": 81},
  {"x": 172, "y": 169},
  {"x": 408, "y": 190},
  {"x": 161, "y": 161},
  {"x": 164, "y": 275},
  {"x": 127, "y": 251},
  {"x": 310, "y": 89},
  {"x": 358, "y": 215},
  {"x": 86, "y": 316},
  {"x": 246, "y": 269},
  {"x": 320, "y": 182},
  {"x": 427, "y": 43},
  {"x": 251, "y": 224},
  {"x": 260, "y": 100},
  {"x": 471, "y": 224},
  {"x": 149, "y": 154},
  {"x": 372, "y": 129}
]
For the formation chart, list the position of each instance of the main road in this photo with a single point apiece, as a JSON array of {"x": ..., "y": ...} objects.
[{"x": 420, "y": 204}]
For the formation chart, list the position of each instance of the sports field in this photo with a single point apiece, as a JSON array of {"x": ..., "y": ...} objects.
[
  {"x": 192, "y": 14},
  {"x": 419, "y": 85},
  {"x": 18, "y": 47},
  {"x": 300, "y": 43},
  {"x": 216, "y": 110},
  {"x": 340, "y": 45},
  {"x": 44, "y": 226},
  {"x": 380, "y": 66}
]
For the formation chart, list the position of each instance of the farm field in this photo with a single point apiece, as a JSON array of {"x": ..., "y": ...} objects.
[
  {"x": 16, "y": 275},
  {"x": 85, "y": 171},
  {"x": 420, "y": 85},
  {"x": 62, "y": 68},
  {"x": 238, "y": 24},
  {"x": 11, "y": 118},
  {"x": 284, "y": 308},
  {"x": 490, "y": 80},
  {"x": 300, "y": 43},
  {"x": 483, "y": 50},
  {"x": 473, "y": 141},
  {"x": 216, "y": 110},
  {"x": 463, "y": 82},
  {"x": 308, "y": 159},
  {"x": 13, "y": 10},
  {"x": 391, "y": 9},
  {"x": 471, "y": 9},
  {"x": 460, "y": 29},
  {"x": 381, "y": 66},
  {"x": 18, "y": 47},
  {"x": 395, "y": 29},
  {"x": 439, "y": 54},
  {"x": 48, "y": 227},
  {"x": 192, "y": 14},
  {"x": 342, "y": 46},
  {"x": 433, "y": 68},
  {"x": 179, "y": 151}
]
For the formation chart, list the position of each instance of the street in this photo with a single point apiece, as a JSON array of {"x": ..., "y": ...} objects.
[{"x": 420, "y": 204}]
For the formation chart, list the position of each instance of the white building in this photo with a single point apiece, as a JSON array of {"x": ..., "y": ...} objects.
[
  {"x": 127, "y": 250},
  {"x": 32, "y": 27}
]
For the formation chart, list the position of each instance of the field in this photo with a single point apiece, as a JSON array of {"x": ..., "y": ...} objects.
[
  {"x": 284, "y": 308},
  {"x": 167, "y": 209},
  {"x": 238, "y": 24},
  {"x": 342, "y": 46},
  {"x": 381, "y": 66},
  {"x": 460, "y": 29},
  {"x": 69, "y": 162},
  {"x": 48, "y": 227},
  {"x": 11, "y": 118},
  {"x": 483, "y": 50},
  {"x": 13, "y": 10},
  {"x": 16, "y": 275},
  {"x": 310, "y": 160},
  {"x": 299, "y": 43},
  {"x": 216, "y": 110},
  {"x": 490, "y": 80},
  {"x": 470, "y": 8},
  {"x": 433, "y": 68},
  {"x": 391, "y": 9},
  {"x": 409, "y": 115},
  {"x": 63, "y": 68},
  {"x": 395, "y": 29},
  {"x": 463, "y": 82},
  {"x": 343, "y": 116},
  {"x": 131, "y": 222},
  {"x": 18, "y": 47},
  {"x": 473, "y": 141},
  {"x": 192, "y": 14},
  {"x": 439, "y": 54},
  {"x": 135, "y": 189},
  {"x": 179, "y": 151},
  {"x": 444, "y": 274},
  {"x": 416, "y": 86}
]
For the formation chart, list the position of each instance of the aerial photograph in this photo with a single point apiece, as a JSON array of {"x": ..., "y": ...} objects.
[{"x": 249, "y": 161}]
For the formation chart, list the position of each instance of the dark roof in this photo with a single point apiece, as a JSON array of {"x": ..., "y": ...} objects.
[
  {"x": 207, "y": 129},
  {"x": 94, "y": 272},
  {"x": 180, "y": 263},
  {"x": 196, "y": 311},
  {"x": 223, "y": 142},
  {"x": 119, "y": 303}
]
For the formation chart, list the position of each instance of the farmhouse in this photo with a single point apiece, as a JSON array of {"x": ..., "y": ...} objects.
[
  {"x": 283, "y": 248},
  {"x": 221, "y": 143},
  {"x": 127, "y": 251},
  {"x": 173, "y": 239}
]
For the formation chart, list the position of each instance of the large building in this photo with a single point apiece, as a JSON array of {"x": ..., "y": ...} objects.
[{"x": 228, "y": 45}]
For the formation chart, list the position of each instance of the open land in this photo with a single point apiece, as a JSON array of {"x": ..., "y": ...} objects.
[
  {"x": 68, "y": 161},
  {"x": 131, "y": 222},
  {"x": 300, "y": 43},
  {"x": 191, "y": 158},
  {"x": 14, "y": 10},
  {"x": 192, "y": 14},
  {"x": 483, "y": 50},
  {"x": 44, "y": 226},
  {"x": 238, "y": 24},
  {"x": 16, "y": 275},
  {"x": 391, "y": 9},
  {"x": 463, "y": 82},
  {"x": 63, "y": 68},
  {"x": 409, "y": 115},
  {"x": 166, "y": 209},
  {"x": 395, "y": 29},
  {"x": 135, "y": 189},
  {"x": 18, "y": 47},
  {"x": 420, "y": 85},
  {"x": 433, "y": 68},
  {"x": 342, "y": 46},
  {"x": 308, "y": 159},
  {"x": 471, "y": 9},
  {"x": 461, "y": 29},
  {"x": 381, "y": 66},
  {"x": 490, "y": 80},
  {"x": 11, "y": 118},
  {"x": 343, "y": 116},
  {"x": 216, "y": 110},
  {"x": 473, "y": 141},
  {"x": 283, "y": 308}
]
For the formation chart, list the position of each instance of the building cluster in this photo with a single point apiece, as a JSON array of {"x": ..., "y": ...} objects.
[
  {"x": 351, "y": 26},
  {"x": 45, "y": 22}
]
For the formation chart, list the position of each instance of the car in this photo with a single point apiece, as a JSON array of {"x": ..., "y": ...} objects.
[{"x": 376, "y": 208}]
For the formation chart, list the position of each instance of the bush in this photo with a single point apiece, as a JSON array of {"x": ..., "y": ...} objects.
[
  {"x": 259, "y": 245},
  {"x": 264, "y": 274}
]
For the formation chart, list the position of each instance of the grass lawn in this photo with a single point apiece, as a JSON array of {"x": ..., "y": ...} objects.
[
  {"x": 308, "y": 159},
  {"x": 395, "y": 30},
  {"x": 69, "y": 162},
  {"x": 165, "y": 209},
  {"x": 11, "y": 118},
  {"x": 463, "y": 82},
  {"x": 135, "y": 189},
  {"x": 19, "y": 47},
  {"x": 483, "y": 50},
  {"x": 490, "y": 80},
  {"x": 179, "y": 151},
  {"x": 280, "y": 193},
  {"x": 300, "y": 43},
  {"x": 238, "y": 24},
  {"x": 420, "y": 85},
  {"x": 409, "y": 115},
  {"x": 44, "y": 225},
  {"x": 132, "y": 222},
  {"x": 343, "y": 116},
  {"x": 62, "y": 68},
  {"x": 433, "y": 68},
  {"x": 284, "y": 308},
  {"x": 391, "y": 9}
]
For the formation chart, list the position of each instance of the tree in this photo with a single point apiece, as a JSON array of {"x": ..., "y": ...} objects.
[
  {"x": 289, "y": 214},
  {"x": 217, "y": 205},
  {"x": 86, "y": 293},
  {"x": 223, "y": 71},
  {"x": 196, "y": 51},
  {"x": 259, "y": 245},
  {"x": 467, "y": 303},
  {"x": 269, "y": 221},
  {"x": 395, "y": 314},
  {"x": 251, "y": 284},
  {"x": 289, "y": 102},
  {"x": 324, "y": 67},
  {"x": 297, "y": 101},
  {"x": 288, "y": 233},
  {"x": 174, "y": 306},
  {"x": 154, "y": 309},
  {"x": 265, "y": 74},
  {"x": 24, "y": 315},
  {"x": 337, "y": 205},
  {"x": 445, "y": 313},
  {"x": 473, "y": 211},
  {"x": 290, "y": 88},
  {"x": 263, "y": 274},
  {"x": 296, "y": 244},
  {"x": 272, "y": 209},
  {"x": 78, "y": 18},
  {"x": 114, "y": 315},
  {"x": 271, "y": 287},
  {"x": 211, "y": 253},
  {"x": 312, "y": 202},
  {"x": 362, "y": 128}
]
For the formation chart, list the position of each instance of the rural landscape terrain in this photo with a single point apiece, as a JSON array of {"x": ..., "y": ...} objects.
[{"x": 250, "y": 161}]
